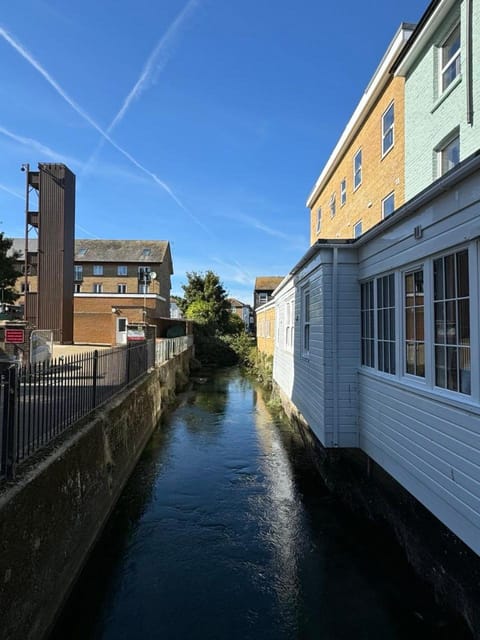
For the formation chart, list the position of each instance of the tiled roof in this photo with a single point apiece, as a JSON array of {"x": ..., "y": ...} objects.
[
  {"x": 267, "y": 283},
  {"x": 235, "y": 303},
  {"x": 149, "y": 251}
]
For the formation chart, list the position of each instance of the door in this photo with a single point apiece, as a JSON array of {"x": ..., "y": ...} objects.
[{"x": 121, "y": 331}]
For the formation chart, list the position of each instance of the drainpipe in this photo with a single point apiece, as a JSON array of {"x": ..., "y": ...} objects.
[
  {"x": 335, "y": 345},
  {"x": 468, "y": 60}
]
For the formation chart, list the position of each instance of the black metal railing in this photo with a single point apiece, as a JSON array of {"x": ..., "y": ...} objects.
[{"x": 39, "y": 401}]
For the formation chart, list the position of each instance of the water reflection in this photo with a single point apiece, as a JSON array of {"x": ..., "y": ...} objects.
[{"x": 226, "y": 531}]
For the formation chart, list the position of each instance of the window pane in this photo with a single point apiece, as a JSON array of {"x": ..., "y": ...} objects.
[
  {"x": 410, "y": 358},
  {"x": 409, "y": 324},
  {"x": 464, "y": 370},
  {"x": 440, "y": 367},
  {"x": 420, "y": 359},
  {"x": 438, "y": 279},
  {"x": 452, "y": 381},
  {"x": 450, "y": 276},
  {"x": 464, "y": 322},
  {"x": 419, "y": 324},
  {"x": 451, "y": 308},
  {"x": 462, "y": 274},
  {"x": 440, "y": 331}
]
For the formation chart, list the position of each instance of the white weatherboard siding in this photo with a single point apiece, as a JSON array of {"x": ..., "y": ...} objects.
[
  {"x": 322, "y": 383},
  {"x": 428, "y": 438},
  {"x": 431, "y": 447}
]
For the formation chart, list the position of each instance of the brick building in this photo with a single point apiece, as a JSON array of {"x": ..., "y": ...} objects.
[
  {"x": 363, "y": 180},
  {"x": 116, "y": 283}
]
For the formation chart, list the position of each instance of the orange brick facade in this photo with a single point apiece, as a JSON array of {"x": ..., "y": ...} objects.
[{"x": 381, "y": 174}]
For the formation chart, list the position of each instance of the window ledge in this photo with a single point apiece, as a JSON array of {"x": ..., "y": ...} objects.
[
  {"x": 384, "y": 155},
  {"x": 446, "y": 93}
]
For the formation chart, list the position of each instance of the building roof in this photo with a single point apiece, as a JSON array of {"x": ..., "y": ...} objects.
[
  {"x": 267, "y": 283},
  {"x": 149, "y": 251},
  {"x": 236, "y": 303}
]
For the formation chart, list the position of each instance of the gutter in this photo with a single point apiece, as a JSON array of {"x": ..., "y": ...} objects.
[{"x": 468, "y": 61}]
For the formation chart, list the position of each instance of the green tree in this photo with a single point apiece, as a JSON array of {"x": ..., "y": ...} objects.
[
  {"x": 8, "y": 270},
  {"x": 207, "y": 289}
]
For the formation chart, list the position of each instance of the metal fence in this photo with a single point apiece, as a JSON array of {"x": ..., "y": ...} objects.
[
  {"x": 39, "y": 401},
  {"x": 169, "y": 347}
]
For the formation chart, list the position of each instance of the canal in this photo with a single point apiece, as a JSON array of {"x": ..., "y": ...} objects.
[{"x": 224, "y": 531}]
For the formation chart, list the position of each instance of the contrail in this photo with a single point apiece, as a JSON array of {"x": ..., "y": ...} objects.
[
  {"x": 149, "y": 68},
  {"x": 38, "y": 146},
  {"x": 84, "y": 115},
  {"x": 11, "y": 192}
]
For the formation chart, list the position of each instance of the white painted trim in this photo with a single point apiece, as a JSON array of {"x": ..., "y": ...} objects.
[
  {"x": 120, "y": 296},
  {"x": 373, "y": 90},
  {"x": 433, "y": 23}
]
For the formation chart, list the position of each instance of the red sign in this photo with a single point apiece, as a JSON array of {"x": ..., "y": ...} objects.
[{"x": 14, "y": 335}]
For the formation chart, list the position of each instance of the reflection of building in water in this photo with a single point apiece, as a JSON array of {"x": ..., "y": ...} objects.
[{"x": 282, "y": 510}]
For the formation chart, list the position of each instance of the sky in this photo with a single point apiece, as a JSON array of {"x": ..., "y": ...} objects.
[{"x": 202, "y": 122}]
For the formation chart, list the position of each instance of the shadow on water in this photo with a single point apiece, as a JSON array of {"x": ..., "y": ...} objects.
[{"x": 225, "y": 530}]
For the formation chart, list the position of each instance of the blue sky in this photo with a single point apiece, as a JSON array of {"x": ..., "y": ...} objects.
[{"x": 205, "y": 123}]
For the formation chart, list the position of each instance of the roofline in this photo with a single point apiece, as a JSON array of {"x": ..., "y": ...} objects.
[
  {"x": 463, "y": 170},
  {"x": 428, "y": 23},
  {"x": 371, "y": 93}
]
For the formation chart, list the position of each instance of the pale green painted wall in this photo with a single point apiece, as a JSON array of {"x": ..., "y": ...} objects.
[{"x": 429, "y": 117}]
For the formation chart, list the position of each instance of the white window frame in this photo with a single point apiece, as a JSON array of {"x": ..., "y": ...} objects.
[
  {"x": 122, "y": 270},
  {"x": 333, "y": 205},
  {"x": 78, "y": 272},
  {"x": 97, "y": 287},
  {"x": 357, "y": 171},
  {"x": 441, "y": 151},
  {"x": 416, "y": 307},
  {"x": 356, "y": 227},
  {"x": 455, "y": 60},
  {"x": 390, "y": 129},
  {"x": 319, "y": 219},
  {"x": 120, "y": 286},
  {"x": 77, "y": 287},
  {"x": 384, "y": 201},
  {"x": 97, "y": 270},
  {"x": 343, "y": 192}
]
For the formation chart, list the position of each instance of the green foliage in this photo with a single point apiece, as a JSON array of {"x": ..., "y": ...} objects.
[
  {"x": 235, "y": 325},
  {"x": 206, "y": 288},
  {"x": 8, "y": 270}
]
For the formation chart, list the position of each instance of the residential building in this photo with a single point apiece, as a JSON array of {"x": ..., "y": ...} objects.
[
  {"x": 264, "y": 288},
  {"x": 442, "y": 91},
  {"x": 243, "y": 311},
  {"x": 117, "y": 283},
  {"x": 265, "y": 321},
  {"x": 382, "y": 353},
  {"x": 362, "y": 182}
]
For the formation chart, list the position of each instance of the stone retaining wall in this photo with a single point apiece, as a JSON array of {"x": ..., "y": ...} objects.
[{"x": 52, "y": 515}]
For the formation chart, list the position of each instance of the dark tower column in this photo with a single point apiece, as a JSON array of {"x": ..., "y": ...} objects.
[{"x": 56, "y": 224}]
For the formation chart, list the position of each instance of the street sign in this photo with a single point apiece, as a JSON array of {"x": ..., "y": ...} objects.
[{"x": 14, "y": 336}]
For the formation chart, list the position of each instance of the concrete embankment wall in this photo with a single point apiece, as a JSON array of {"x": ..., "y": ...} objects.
[
  {"x": 437, "y": 556},
  {"x": 52, "y": 515}
]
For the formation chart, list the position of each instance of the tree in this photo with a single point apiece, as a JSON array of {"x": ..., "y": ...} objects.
[
  {"x": 205, "y": 300},
  {"x": 8, "y": 270}
]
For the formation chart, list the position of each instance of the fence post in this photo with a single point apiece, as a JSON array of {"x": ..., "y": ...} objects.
[
  {"x": 95, "y": 371},
  {"x": 9, "y": 422},
  {"x": 129, "y": 345}
]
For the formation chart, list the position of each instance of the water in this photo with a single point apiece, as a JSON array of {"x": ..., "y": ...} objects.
[{"x": 225, "y": 531}]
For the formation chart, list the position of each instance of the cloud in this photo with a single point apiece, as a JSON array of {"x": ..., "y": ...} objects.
[
  {"x": 11, "y": 192},
  {"x": 38, "y": 147},
  {"x": 153, "y": 65},
  {"x": 294, "y": 241},
  {"x": 84, "y": 115}
]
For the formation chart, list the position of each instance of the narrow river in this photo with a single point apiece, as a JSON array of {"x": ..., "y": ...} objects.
[{"x": 225, "y": 531}]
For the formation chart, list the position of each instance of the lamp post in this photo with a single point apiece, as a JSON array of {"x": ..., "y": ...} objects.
[{"x": 26, "y": 169}]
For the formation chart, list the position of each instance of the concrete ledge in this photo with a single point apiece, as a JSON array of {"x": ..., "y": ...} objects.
[{"x": 52, "y": 515}]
